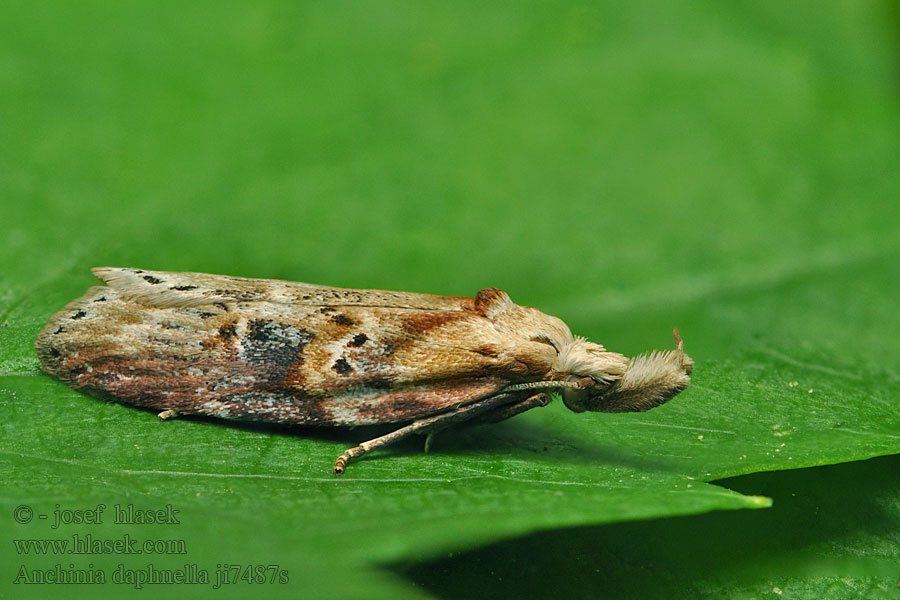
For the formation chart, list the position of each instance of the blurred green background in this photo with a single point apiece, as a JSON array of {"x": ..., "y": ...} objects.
[{"x": 729, "y": 169}]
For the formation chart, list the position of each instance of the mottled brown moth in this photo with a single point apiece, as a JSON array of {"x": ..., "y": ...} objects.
[{"x": 285, "y": 352}]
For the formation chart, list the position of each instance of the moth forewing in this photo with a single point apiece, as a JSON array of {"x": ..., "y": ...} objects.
[{"x": 286, "y": 352}]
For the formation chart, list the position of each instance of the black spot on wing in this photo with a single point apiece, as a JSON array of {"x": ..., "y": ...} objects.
[
  {"x": 152, "y": 280},
  {"x": 79, "y": 315},
  {"x": 342, "y": 320},
  {"x": 183, "y": 288},
  {"x": 269, "y": 342},
  {"x": 342, "y": 366},
  {"x": 358, "y": 340}
]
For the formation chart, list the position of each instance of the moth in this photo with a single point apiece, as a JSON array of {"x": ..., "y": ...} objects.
[{"x": 284, "y": 352}]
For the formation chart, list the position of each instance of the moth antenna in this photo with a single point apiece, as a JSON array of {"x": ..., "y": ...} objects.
[{"x": 578, "y": 384}]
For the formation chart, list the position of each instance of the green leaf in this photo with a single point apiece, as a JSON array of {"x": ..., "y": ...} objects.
[
  {"x": 729, "y": 170},
  {"x": 833, "y": 533}
]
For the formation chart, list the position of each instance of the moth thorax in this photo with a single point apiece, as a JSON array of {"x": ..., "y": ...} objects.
[{"x": 581, "y": 358}]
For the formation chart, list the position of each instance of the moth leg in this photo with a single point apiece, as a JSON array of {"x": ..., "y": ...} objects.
[
  {"x": 168, "y": 414},
  {"x": 510, "y": 410},
  {"x": 425, "y": 426},
  {"x": 428, "y": 440},
  {"x": 501, "y": 413}
]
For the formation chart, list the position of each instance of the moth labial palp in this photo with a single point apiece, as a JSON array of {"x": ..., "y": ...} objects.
[{"x": 285, "y": 352}]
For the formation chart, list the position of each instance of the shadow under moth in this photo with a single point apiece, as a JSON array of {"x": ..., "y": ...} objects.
[{"x": 285, "y": 352}]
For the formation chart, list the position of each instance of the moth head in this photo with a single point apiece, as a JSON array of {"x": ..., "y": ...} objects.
[{"x": 642, "y": 383}]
